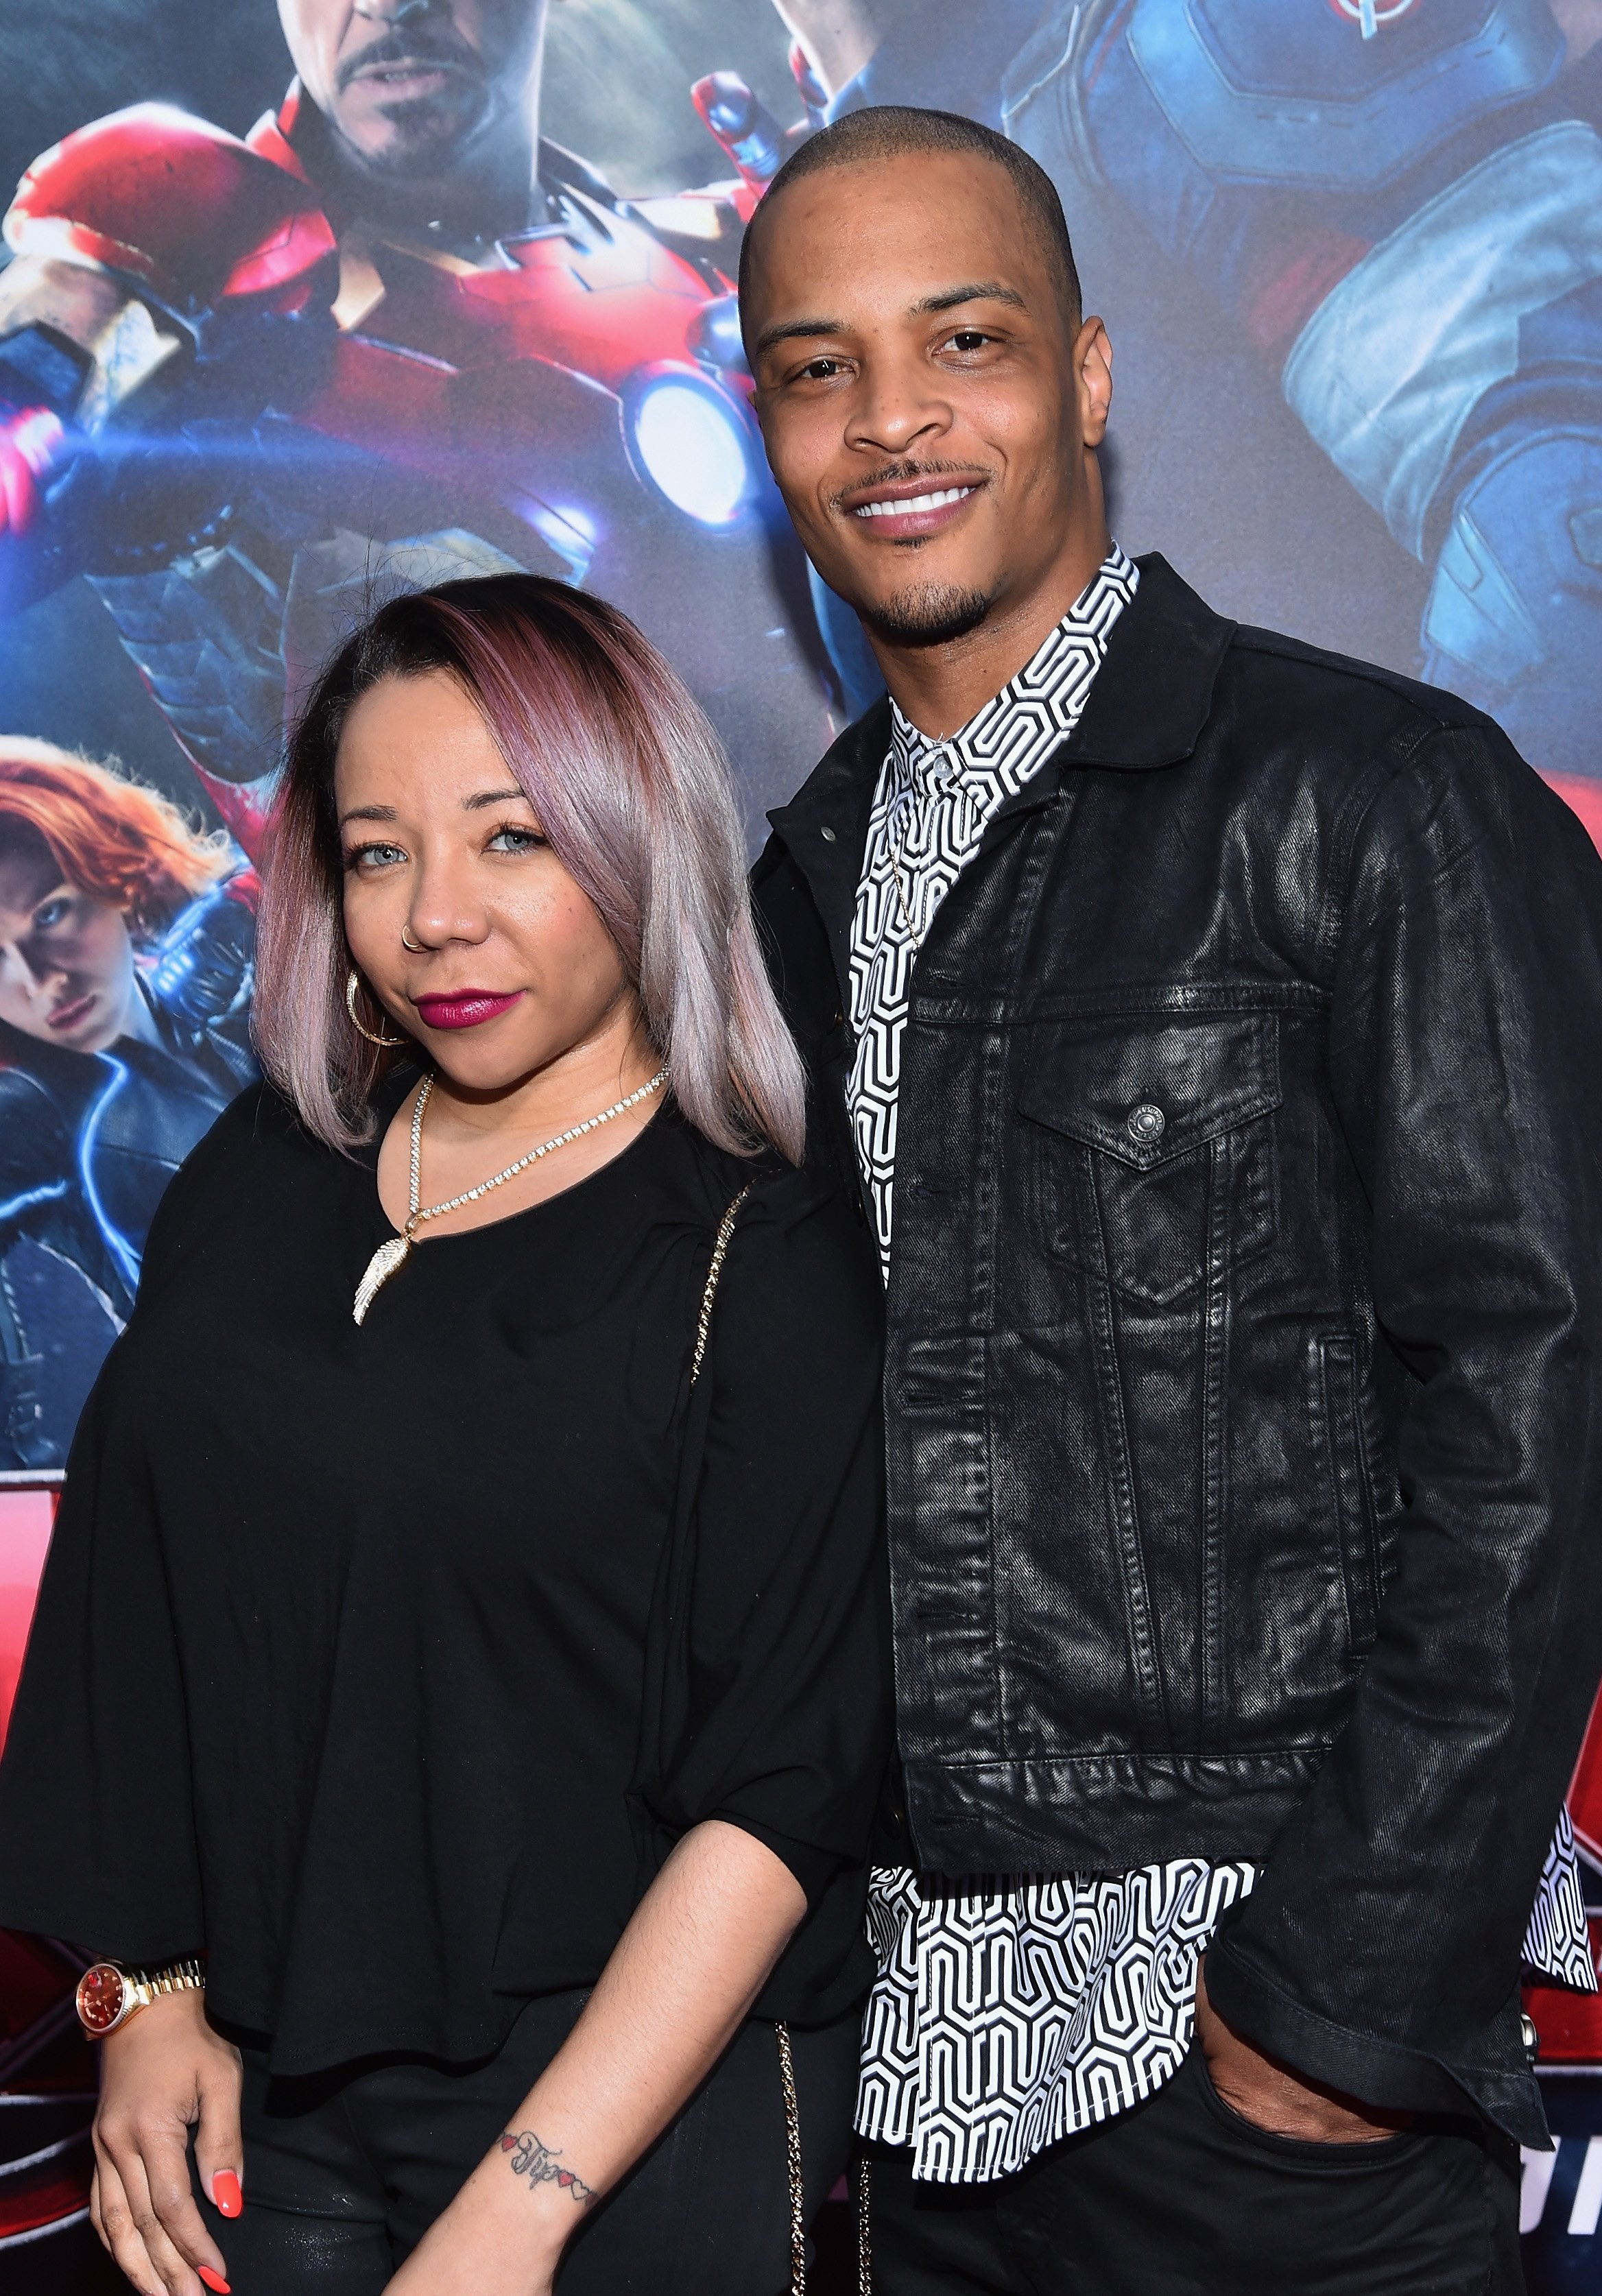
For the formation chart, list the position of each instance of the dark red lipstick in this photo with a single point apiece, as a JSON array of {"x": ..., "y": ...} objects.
[{"x": 465, "y": 1008}]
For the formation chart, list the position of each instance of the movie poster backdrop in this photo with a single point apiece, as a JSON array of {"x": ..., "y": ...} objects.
[{"x": 276, "y": 339}]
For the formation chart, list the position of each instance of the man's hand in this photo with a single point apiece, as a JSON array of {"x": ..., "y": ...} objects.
[{"x": 1270, "y": 2096}]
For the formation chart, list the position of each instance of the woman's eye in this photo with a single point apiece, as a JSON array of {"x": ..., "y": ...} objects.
[
  {"x": 509, "y": 839},
  {"x": 374, "y": 857},
  {"x": 51, "y": 913}
]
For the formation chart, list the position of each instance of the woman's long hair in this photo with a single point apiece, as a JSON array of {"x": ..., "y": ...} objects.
[
  {"x": 110, "y": 837},
  {"x": 633, "y": 792}
]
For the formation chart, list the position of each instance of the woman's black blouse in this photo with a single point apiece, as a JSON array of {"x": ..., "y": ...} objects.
[{"x": 384, "y": 1664}]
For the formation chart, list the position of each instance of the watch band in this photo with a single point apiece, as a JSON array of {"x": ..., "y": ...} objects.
[{"x": 109, "y": 1995}]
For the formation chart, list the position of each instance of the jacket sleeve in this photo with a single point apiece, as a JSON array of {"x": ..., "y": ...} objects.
[{"x": 1379, "y": 1952}]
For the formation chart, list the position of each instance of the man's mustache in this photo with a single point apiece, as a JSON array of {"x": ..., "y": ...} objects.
[{"x": 423, "y": 44}]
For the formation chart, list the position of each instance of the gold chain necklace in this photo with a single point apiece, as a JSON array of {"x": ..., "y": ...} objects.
[{"x": 392, "y": 1255}]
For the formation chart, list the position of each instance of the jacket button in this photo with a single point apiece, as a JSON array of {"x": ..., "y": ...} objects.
[
  {"x": 827, "y": 836},
  {"x": 1147, "y": 1124}
]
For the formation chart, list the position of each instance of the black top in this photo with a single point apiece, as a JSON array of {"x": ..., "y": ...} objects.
[{"x": 385, "y": 1663}]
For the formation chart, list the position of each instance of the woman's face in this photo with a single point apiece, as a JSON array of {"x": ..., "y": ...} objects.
[
  {"x": 66, "y": 957},
  {"x": 516, "y": 969}
]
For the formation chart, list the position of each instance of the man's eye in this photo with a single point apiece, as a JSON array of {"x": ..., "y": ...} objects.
[
  {"x": 966, "y": 339},
  {"x": 374, "y": 857},
  {"x": 819, "y": 370},
  {"x": 510, "y": 839}
]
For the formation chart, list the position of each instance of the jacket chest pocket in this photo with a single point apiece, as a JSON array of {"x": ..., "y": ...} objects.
[{"x": 1150, "y": 1155}]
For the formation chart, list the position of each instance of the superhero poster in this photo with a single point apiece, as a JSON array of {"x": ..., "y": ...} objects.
[{"x": 304, "y": 302}]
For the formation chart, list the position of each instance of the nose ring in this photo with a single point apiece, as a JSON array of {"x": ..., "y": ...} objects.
[{"x": 408, "y": 942}]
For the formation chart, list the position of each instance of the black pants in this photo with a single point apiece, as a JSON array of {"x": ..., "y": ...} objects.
[
  {"x": 344, "y": 2175},
  {"x": 1181, "y": 2197}
]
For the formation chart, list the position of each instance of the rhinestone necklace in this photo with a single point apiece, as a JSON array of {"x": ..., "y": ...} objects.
[{"x": 392, "y": 1255}]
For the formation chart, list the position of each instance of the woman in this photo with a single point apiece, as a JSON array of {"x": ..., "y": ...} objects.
[
  {"x": 464, "y": 1626},
  {"x": 126, "y": 941}
]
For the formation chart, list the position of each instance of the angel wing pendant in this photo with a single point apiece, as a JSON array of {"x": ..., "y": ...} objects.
[{"x": 383, "y": 1265}]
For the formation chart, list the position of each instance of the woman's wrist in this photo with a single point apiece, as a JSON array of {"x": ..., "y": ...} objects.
[{"x": 511, "y": 2219}]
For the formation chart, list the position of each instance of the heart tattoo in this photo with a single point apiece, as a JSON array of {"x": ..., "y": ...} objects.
[{"x": 538, "y": 2161}]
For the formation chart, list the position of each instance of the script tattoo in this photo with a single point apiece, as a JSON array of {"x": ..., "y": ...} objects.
[{"x": 538, "y": 2163}]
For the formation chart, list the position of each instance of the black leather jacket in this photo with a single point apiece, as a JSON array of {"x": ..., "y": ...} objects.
[{"x": 1244, "y": 1373}]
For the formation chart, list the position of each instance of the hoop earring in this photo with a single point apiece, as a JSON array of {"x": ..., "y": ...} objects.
[{"x": 351, "y": 980}]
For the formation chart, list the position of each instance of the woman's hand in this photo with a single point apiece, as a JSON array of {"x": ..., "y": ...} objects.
[
  {"x": 162, "y": 2073},
  {"x": 1271, "y": 2097}
]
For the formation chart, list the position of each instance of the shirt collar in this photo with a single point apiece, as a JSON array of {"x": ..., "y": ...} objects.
[{"x": 919, "y": 761}]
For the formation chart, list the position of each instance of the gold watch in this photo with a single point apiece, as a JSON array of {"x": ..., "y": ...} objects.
[{"x": 108, "y": 1994}]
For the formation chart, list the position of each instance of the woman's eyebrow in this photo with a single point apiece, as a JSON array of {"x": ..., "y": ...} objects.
[
  {"x": 474, "y": 804},
  {"x": 494, "y": 797}
]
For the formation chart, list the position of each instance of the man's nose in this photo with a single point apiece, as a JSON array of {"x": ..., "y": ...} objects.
[
  {"x": 393, "y": 11},
  {"x": 897, "y": 407}
]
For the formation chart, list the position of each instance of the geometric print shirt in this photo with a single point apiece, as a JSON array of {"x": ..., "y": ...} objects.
[
  {"x": 932, "y": 805},
  {"x": 1011, "y": 2011}
]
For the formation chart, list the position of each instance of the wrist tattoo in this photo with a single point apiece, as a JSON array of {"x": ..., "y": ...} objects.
[{"x": 528, "y": 2156}]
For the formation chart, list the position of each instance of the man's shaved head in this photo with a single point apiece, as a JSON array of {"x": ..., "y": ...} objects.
[{"x": 893, "y": 131}]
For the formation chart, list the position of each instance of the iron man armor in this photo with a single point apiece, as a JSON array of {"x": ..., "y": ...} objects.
[{"x": 244, "y": 426}]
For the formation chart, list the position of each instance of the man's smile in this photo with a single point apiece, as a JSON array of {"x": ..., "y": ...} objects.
[
  {"x": 893, "y": 506},
  {"x": 912, "y": 508}
]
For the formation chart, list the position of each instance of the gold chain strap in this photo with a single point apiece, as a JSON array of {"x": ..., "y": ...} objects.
[
  {"x": 793, "y": 2145},
  {"x": 865, "y": 2238},
  {"x": 725, "y": 1228},
  {"x": 793, "y": 2151}
]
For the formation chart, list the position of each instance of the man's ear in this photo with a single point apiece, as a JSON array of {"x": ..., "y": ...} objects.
[{"x": 1093, "y": 380}]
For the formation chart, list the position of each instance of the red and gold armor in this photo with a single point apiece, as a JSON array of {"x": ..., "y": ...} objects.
[{"x": 245, "y": 421}]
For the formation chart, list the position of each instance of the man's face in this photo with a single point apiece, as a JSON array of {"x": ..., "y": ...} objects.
[
  {"x": 926, "y": 414},
  {"x": 409, "y": 86}
]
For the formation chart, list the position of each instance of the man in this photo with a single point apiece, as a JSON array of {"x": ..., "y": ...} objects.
[
  {"x": 1213, "y": 1023},
  {"x": 390, "y": 336}
]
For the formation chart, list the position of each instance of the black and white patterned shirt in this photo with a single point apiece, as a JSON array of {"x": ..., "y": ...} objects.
[{"x": 1013, "y": 2010}]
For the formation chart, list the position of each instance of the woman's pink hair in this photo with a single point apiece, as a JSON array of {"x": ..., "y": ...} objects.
[{"x": 633, "y": 794}]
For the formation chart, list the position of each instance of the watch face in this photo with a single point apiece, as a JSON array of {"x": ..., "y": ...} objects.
[{"x": 100, "y": 1997}]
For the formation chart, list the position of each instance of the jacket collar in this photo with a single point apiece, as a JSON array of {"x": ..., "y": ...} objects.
[
  {"x": 1147, "y": 707},
  {"x": 1153, "y": 695},
  {"x": 824, "y": 827}
]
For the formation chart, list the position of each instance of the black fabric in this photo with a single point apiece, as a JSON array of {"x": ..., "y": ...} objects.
[
  {"x": 1182, "y": 2197},
  {"x": 343, "y": 2176},
  {"x": 337, "y": 1670},
  {"x": 1244, "y": 1469}
]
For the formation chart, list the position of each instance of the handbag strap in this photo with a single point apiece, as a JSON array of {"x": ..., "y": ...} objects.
[
  {"x": 725, "y": 1228},
  {"x": 792, "y": 2150},
  {"x": 792, "y": 2163}
]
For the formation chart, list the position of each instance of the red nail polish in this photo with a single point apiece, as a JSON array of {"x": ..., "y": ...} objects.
[
  {"x": 225, "y": 2193},
  {"x": 212, "y": 2279}
]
